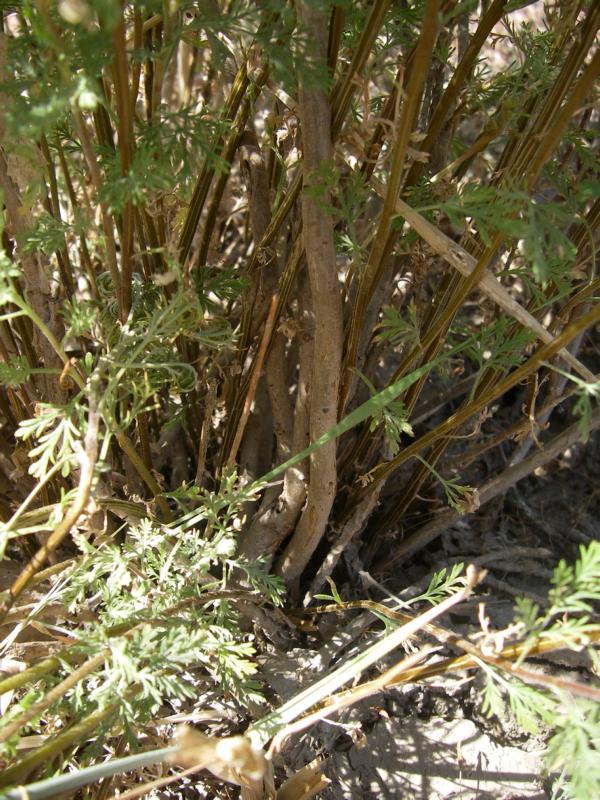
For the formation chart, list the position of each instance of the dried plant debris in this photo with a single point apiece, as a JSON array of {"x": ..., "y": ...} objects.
[{"x": 298, "y": 399}]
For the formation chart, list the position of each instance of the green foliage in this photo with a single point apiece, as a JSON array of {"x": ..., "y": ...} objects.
[
  {"x": 175, "y": 149},
  {"x": 402, "y": 27},
  {"x": 9, "y": 747},
  {"x": 80, "y": 318},
  {"x": 163, "y": 613},
  {"x": 118, "y": 158},
  {"x": 154, "y": 587},
  {"x": 574, "y": 722},
  {"x": 334, "y": 597},
  {"x": 141, "y": 358},
  {"x": 538, "y": 226},
  {"x": 350, "y": 200},
  {"x": 573, "y": 748},
  {"x": 54, "y": 64},
  {"x": 458, "y": 495},
  {"x": 528, "y": 704},
  {"x": 442, "y": 584},
  {"x": 489, "y": 209},
  {"x": 500, "y": 345},
  {"x": 534, "y": 71},
  {"x": 586, "y": 393},
  {"x": 15, "y": 371},
  {"x": 396, "y": 329},
  {"x": 574, "y": 588},
  {"x": 8, "y": 271},
  {"x": 147, "y": 177},
  {"x": 392, "y": 418},
  {"x": 56, "y": 430},
  {"x": 47, "y": 236}
]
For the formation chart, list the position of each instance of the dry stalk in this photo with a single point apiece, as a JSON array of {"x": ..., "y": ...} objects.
[
  {"x": 381, "y": 246},
  {"x": 254, "y": 378},
  {"x": 453, "y": 422},
  {"x": 496, "y": 487}
]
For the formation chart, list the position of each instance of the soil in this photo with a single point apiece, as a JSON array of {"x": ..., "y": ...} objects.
[{"x": 433, "y": 741}]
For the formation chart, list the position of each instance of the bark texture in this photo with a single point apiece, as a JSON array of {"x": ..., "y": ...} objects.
[{"x": 315, "y": 119}]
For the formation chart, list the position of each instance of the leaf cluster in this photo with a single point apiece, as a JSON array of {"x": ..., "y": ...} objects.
[{"x": 573, "y": 722}]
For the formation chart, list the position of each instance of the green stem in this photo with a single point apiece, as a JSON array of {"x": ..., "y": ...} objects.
[
  {"x": 74, "y": 735},
  {"x": 64, "y": 784},
  {"x": 39, "y": 485},
  {"x": 45, "y": 330}
]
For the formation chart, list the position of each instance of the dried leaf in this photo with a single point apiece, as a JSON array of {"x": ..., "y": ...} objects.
[{"x": 232, "y": 759}]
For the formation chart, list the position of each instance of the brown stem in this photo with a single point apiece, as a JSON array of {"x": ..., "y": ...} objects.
[
  {"x": 64, "y": 262},
  {"x": 381, "y": 245},
  {"x": 461, "y": 73},
  {"x": 111, "y": 248},
  {"x": 493, "y": 488},
  {"x": 544, "y": 353},
  {"x": 254, "y": 378},
  {"x": 192, "y": 219},
  {"x": 128, "y": 448},
  {"x": 315, "y": 116}
]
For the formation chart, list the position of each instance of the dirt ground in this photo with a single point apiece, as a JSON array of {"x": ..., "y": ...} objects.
[{"x": 433, "y": 741}]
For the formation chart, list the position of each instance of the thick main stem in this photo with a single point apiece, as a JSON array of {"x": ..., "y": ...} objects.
[{"x": 315, "y": 116}]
